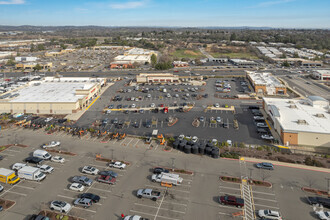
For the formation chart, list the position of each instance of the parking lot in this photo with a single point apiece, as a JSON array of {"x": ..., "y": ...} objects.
[
  {"x": 196, "y": 198},
  {"x": 139, "y": 117}
]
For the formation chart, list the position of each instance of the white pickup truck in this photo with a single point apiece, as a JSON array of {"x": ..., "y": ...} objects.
[{"x": 118, "y": 165}]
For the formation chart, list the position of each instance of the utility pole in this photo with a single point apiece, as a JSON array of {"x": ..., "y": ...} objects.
[{"x": 328, "y": 180}]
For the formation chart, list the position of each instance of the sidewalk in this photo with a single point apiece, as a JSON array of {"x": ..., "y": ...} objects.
[
  {"x": 76, "y": 116},
  {"x": 297, "y": 166}
]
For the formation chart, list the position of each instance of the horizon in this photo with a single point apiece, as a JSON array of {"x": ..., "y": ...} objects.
[{"x": 277, "y": 14}]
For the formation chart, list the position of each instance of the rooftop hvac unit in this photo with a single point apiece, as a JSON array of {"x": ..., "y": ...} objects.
[
  {"x": 320, "y": 115},
  {"x": 302, "y": 122}
]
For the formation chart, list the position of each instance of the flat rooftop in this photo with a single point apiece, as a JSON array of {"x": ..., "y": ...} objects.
[
  {"x": 51, "y": 92},
  {"x": 316, "y": 118},
  {"x": 265, "y": 79}
]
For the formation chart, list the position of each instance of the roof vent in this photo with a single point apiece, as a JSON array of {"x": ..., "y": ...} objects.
[
  {"x": 292, "y": 106},
  {"x": 320, "y": 115},
  {"x": 302, "y": 122}
]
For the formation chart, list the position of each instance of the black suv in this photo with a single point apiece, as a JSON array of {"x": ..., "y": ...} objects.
[
  {"x": 34, "y": 160},
  {"x": 91, "y": 196}
]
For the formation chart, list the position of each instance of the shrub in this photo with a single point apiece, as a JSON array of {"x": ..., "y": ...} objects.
[{"x": 285, "y": 160}]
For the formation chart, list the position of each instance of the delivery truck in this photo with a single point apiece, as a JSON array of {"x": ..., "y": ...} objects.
[
  {"x": 8, "y": 176},
  {"x": 168, "y": 178},
  {"x": 31, "y": 173}
]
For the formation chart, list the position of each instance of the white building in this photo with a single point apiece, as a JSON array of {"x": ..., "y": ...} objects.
[
  {"x": 321, "y": 74},
  {"x": 26, "y": 59},
  {"x": 300, "y": 122}
]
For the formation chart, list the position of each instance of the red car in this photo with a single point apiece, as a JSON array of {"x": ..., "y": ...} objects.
[
  {"x": 231, "y": 200},
  {"x": 161, "y": 105},
  {"x": 107, "y": 179}
]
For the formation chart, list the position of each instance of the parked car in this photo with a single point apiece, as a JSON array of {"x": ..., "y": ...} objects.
[
  {"x": 91, "y": 196},
  {"x": 325, "y": 202},
  {"x": 46, "y": 168},
  {"x": 152, "y": 105},
  {"x": 267, "y": 137},
  {"x": 218, "y": 119},
  {"x": 106, "y": 179},
  {"x": 86, "y": 203},
  {"x": 108, "y": 173},
  {"x": 34, "y": 160},
  {"x": 90, "y": 170},
  {"x": 269, "y": 214},
  {"x": 159, "y": 170},
  {"x": 38, "y": 217},
  {"x": 83, "y": 180},
  {"x": 217, "y": 105},
  {"x": 262, "y": 125},
  {"x": 118, "y": 165},
  {"x": 134, "y": 217},
  {"x": 18, "y": 166},
  {"x": 51, "y": 144},
  {"x": 258, "y": 118},
  {"x": 201, "y": 118},
  {"x": 77, "y": 187},
  {"x": 231, "y": 200},
  {"x": 323, "y": 215},
  {"x": 181, "y": 137},
  {"x": 57, "y": 159},
  {"x": 264, "y": 165},
  {"x": 262, "y": 131},
  {"x": 148, "y": 193},
  {"x": 60, "y": 206}
]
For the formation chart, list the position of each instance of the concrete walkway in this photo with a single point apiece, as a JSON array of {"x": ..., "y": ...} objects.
[{"x": 76, "y": 116}]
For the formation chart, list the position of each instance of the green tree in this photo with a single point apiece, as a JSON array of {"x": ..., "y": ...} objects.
[
  {"x": 40, "y": 47},
  {"x": 286, "y": 64},
  {"x": 63, "y": 46},
  {"x": 37, "y": 67},
  {"x": 10, "y": 62},
  {"x": 295, "y": 55},
  {"x": 153, "y": 60},
  {"x": 233, "y": 37}
]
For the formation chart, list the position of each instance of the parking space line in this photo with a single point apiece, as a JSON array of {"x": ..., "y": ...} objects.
[
  {"x": 66, "y": 197},
  {"x": 169, "y": 189},
  {"x": 272, "y": 207},
  {"x": 94, "y": 165},
  {"x": 16, "y": 151},
  {"x": 22, "y": 194},
  {"x": 7, "y": 154},
  {"x": 84, "y": 209},
  {"x": 230, "y": 207},
  {"x": 159, "y": 216},
  {"x": 270, "y": 200},
  {"x": 174, "y": 203},
  {"x": 103, "y": 190},
  {"x": 26, "y": 187},
  {"x": 159, "y": 208},
  {"x": 230, "y": 188},
  {"x": 272, "y": 194}
]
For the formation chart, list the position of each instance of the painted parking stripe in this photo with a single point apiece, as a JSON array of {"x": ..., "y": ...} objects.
[
  {"x": 26, "y": 187},
  {"x": 84, "y": 209},
  {"x": 103, "y": 190},
  {"x": 270, "y": 200},
  {"x": 7, "y": 154},
  {"x": 271, "y": 207},
  {"x": 94, "y": 165},
  {"x": 16, "y": 151},
  {"x": 224, "y": 187},
  {"x": 158, "y": 216},
  {"x": 155, "y": 207},
  {"x": 272, "y": 194},
  {"x": 22, "y": 194},
  {"x": 174, "y": 203},
  {"x": 67, "y": 197},
  {"x": 230, "y": 207},
  {"x": 168, "y": 189}
]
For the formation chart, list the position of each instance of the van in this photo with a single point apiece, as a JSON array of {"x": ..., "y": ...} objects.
[{"x": 42, "y": 154}]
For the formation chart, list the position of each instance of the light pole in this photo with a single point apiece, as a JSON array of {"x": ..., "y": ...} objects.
[{"x": 328, "y": 180}]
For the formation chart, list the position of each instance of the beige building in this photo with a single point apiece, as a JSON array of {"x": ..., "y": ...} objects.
[
  {"x": 30, "y": 65},
  {"x": 266, "y": 83},
  {"x": 157, "y": 78},
  {"x": 58, "y": 53},
  {"x": 300, "y": 122},
  {"x": 52, "y": 95}
]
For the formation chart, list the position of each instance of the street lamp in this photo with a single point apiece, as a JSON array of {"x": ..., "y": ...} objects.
[{"x": 328, "y": 180}]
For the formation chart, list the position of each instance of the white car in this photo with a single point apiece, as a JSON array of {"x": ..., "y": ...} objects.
[
  {"x": 176, "y": 95},
  {"x": 133, "y": 217},
  {"x": 90, "y": 170},
  {"x": 230, "y": 143},
  {"x": 323, "y": 215},
  {"x": 118, "y": 165},
  {"x": 149, "y": 96},
  {"x": 51, "y": 144},
  {"x": 48, "y": 119},
  {"x": 269, "y": 214},
  {"x": 57, "y": 159},
  {"x": 267, "y": 137},
  {"x": 18, "y": 166},
  {"x": 218, "y": 119},
  {"x": 60, "y": 206},
  {"x": 77, "y": 187},
  {"x": 194, "y": 139},
  {"x": 217, "y": 105},
  {"x": 46, "y": 168},
  {"x": 214, "y": 141},
  {"x": 133, "y": 106},
  {"x": 1, "y": 188},
  {"x": 152, "y": 105},
  {"x": 168, "y": 95},
  {"x": 188, "y": 137}
]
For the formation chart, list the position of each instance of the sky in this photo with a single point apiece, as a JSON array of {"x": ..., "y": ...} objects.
[{"x": 181, "y": 13}]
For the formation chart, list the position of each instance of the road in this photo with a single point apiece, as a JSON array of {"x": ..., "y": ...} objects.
[{"x": 205, "y": 53}]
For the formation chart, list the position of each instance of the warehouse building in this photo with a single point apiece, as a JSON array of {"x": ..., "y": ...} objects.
[
  {"x": 240, "y": 62},
  {"x": 135, "y": 55},
  {"x": 52, "y": 95},
  {"x": 157, "y": 78},
  {"x": 266, "y": 84},
  {"x": 321, "y": 74},
  {"x": 26, "y": 59},
  {"x": 300, "y": 122}
]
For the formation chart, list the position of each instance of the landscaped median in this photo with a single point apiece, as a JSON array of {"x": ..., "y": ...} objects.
[
  {"x": 315, "y": 191},
  {"x": 6, "y": 204},
  {"x": 4, "y": 147},
  {"x": 107, "y": 160},
  {"x": 55, "y": 215},
  {"x": 61, "y": 152},
  {"x": 251, "y": 182}
]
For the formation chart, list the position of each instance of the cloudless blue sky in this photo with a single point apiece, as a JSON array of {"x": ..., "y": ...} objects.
[{"x": 192, "y": 13}]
